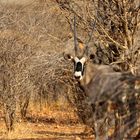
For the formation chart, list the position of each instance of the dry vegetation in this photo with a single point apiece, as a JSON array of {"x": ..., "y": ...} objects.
[
  {"x": 37, "y": 89},
  {"x": 32, "y": 69}
]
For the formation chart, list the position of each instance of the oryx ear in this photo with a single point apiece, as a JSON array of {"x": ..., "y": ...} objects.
[
  {"x": 91, "y": 56},
  {"x": 91, "y": 51},
  {"x": 67, "y": 56}
]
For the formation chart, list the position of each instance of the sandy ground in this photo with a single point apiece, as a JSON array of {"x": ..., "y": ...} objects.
[
  {"x": 53, "y": 127},
  {"x": 45, "y": 131}
]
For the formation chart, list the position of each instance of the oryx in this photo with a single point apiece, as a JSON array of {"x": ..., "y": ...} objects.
[{"x": 101, "y": 83}]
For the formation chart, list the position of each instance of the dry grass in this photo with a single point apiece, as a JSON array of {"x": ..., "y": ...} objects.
[
  {"x": 35, "y": 73},
  {"x": 36, "y": 83}
]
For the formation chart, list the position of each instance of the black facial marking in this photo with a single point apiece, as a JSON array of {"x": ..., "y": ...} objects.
[{"x": 78, "y": 66}]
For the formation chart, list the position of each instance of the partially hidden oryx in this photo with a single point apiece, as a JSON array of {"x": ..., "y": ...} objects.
[{"x": 102, "y": 84}]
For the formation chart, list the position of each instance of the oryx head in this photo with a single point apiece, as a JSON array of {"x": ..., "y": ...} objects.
[
  {"x": 80, "y": 59},
  {"x": 80, "y": 56}
]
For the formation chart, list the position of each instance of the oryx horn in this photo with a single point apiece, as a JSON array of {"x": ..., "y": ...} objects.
[{"x": 75, "y": 35}]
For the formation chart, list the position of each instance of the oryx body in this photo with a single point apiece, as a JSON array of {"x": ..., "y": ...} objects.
[{"x": 101, "y": 83}]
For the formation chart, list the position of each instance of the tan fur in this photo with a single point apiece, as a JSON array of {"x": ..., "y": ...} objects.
[
  {"x": 91, "y": 70},
  {"x": 100, "y": 80}
]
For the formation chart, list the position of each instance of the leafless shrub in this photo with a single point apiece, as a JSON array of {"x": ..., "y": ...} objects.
[
  {"x": 32, "y": 67},
  {"x": 115, "y": 26},
  {"x": 15, "y": 55},
  {"x": 32, "y": 39}
]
